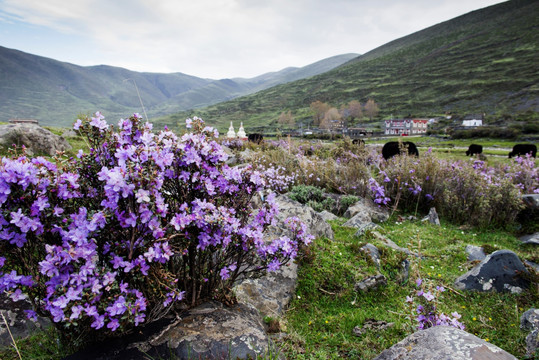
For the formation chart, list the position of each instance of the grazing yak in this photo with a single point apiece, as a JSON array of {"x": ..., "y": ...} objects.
[
  {"x": 474, "y": 149},
  {"x": 523, "y": 149},
  {"x": 358, "y": 142},
  {"x": 392, "y": 148},
  {"x": 255, "y": 138}
]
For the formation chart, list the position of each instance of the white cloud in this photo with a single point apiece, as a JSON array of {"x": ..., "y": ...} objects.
[{"x": 227, "y": 38}]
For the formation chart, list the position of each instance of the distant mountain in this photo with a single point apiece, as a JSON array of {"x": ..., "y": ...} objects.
[
  {"x": 485, "y": 61},
  {"x": 55, "y": 92}
]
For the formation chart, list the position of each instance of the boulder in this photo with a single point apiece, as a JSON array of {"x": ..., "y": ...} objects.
[
  {"x": 444, "y": 343},
  {"x": 475, "y": 253},
  {"x": 373, "y": 253},
  {"x": 362, "y": 229},
  {"x": 529, "y": 321},
  {"x": 289, "y": 208},
  {"x": 533, "y": 265},
  {"x": 358, "y": 220},
  {"x": 36, "y": 139},
  {"x": 371, "y": 282},
  {"x": 370, "y": 210},
  {"x": 389, "y": 243},
  {"x": 530, "y": 239},
  {"x": 531, "y": 201},
  {"x": 209, "y": 331},
  {"x": 271, "y": 293},
  {"x": 19, "y": 325},
  {"x": 326, "y": 215},
  {"x": 432, "y": 217},
  {"x": 372, "y": 325},
  {"x": 499, "y": 271}
]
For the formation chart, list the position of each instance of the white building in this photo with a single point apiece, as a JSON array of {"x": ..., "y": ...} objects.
[
  {"x": 473, "y": 121},
  {"x": 406, "y": 126}
]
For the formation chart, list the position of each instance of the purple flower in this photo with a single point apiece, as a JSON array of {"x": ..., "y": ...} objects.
[
  {"x": 224, "y": 273},
  {"x": 31, "y": 315},
  {"x": 274, "y": 265},
  {"x": 113, "y": 324},
  {"x": 99, "y": 322}
]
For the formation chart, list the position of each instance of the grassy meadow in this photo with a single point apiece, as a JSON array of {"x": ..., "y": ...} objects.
[{"x": 321, "y": 318}]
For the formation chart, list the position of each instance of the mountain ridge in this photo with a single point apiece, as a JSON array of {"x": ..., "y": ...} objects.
[
  {"x": 55, "y": 92},
  {"x": 480, "y": 62}
]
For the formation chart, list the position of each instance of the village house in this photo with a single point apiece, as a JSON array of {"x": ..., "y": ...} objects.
[
  {"x": 473, "y": 120},
  {"x": 405, "y": 126}
]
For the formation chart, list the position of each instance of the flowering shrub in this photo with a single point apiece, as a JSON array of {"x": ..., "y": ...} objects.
[
  {"x": 114, "y": 236},
  {"x": 425, "y": 313},
  {"x": 462, "y": 191}
]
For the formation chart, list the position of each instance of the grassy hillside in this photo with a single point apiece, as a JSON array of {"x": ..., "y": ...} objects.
[
  {"x": 55, "y": 92},
  {"x": 481, "y": 62}
]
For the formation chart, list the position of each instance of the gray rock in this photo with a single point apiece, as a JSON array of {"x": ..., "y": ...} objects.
[
  {"x": 533, "y": 265},
  {"x": 271, "y": 293},
  {"x": 18, "y": 323},
  {"x": 362, "y": 229},
  {"x": 475, "y": 253},
  {"x": 370, "y": 209},
  {"x": 532, "y": 344},
  {"x": 246, "y": 155},
  {"x": 529, "y": 321},
  {"x": 326, "y": 215},
  {"x": 215, "y": 331},
  {"x": 432, "y": 217},
  {"x": 373, "y": 253},
  {"x": 389, "y": 243},
  {"x": 36, "y": 139},
  {"x": 405, "y": 273},
  {"x": 444, "y": 343},
  {"x": 372, "y": 325},
  {"x": 498, "y": 271},
  {"x": 69, "y": 133},
  {"x": 358, "y": 220},
  {"x": 530, "y": 239},
  {"x": 531, "y": 200},
  {"x": 209, "y": 331},
  {"x": 288, "y": 208},
  {"x": 372, "y": 282}
]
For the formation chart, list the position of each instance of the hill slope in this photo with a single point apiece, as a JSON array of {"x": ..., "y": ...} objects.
[
  {"x": 56, "y": 92},
  {"x": 484, "y": 61}
]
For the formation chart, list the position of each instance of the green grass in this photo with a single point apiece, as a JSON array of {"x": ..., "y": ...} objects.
[{"x": 326, "y": 309}]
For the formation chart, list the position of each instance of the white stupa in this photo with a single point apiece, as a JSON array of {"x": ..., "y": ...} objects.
[
  {"x": 241, "y": 133},
  {"x": 231, "y": 134}
]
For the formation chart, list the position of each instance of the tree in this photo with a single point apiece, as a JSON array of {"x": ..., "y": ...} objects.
[
  {"x": 319, "y": 110},
  {"x": 371, "y": 109},
  {"x": 286, "y": 118},
  {"x": 355, "y": 110},
  {"x": 330, "y": 117}
]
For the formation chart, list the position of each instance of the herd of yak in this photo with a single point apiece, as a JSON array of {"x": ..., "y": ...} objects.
[{"x": 393, "y": 148}]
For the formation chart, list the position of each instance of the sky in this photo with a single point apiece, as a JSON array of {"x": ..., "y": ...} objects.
[{"x": 214, "y": 39}]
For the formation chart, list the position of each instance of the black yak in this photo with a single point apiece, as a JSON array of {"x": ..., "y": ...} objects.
[
  {"x": 255, "y": 138},
  {"x": 523, "y": 149},
  {"x": 392, "y": 148},
  {"x": 474, "y": 149}
]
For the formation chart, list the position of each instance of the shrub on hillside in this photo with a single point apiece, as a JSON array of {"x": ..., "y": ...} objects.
[
  {"x": 112, "y": 238},
  {"x": 462, "y": 191}
]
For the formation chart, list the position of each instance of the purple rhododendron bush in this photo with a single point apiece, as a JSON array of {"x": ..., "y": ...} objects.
[{"x": 112, "y": 238}]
